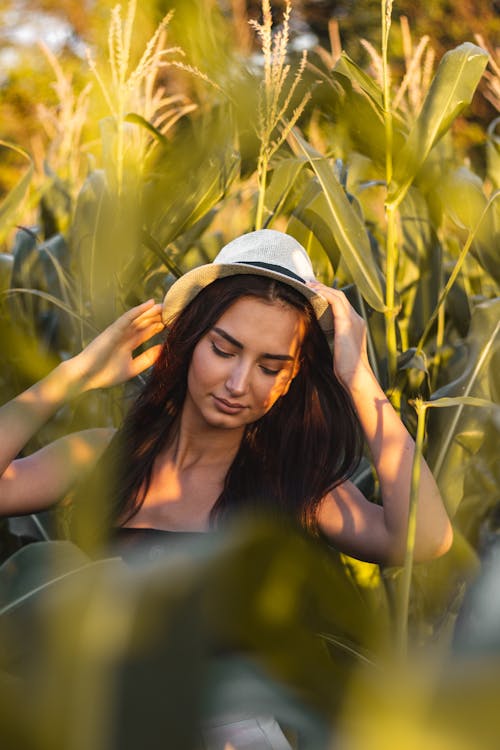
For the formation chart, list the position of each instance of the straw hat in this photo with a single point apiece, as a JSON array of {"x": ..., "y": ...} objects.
[{"x": 265, "y": 252}]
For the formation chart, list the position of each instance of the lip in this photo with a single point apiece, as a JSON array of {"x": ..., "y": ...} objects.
[{"x": 226, "y": 406}]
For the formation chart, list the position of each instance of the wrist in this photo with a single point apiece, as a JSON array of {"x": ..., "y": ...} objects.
[
  {"x": 72, "y": 377},
  {"x": 358, "y": 379}
]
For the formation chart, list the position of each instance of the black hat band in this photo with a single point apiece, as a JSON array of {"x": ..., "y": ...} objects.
[{"x": 272, "y": 267}]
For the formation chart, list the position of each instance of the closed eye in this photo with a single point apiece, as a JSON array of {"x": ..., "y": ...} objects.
[
  {"x": 268, "y": 371},
  {"x": 220, "y": 352}
]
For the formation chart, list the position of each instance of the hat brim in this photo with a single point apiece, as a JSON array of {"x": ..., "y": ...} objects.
[{"x": 188, "y": 286}]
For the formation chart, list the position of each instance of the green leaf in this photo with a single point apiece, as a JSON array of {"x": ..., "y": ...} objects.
[
  {"x": 347, "y": 67},
  {"x": 36, "y": 567},
  {"x": 452, "y": 89},
  {"x": 346, "y": 226},
  {"x": 419, "y": 269},
  {"x": 476, "y": 386},
  {"x": 10, "y": 204},
  {"x": 444, "y": 402},
  {"x": 493, "y": 152},
  {"x": 471, "y": 440},
  {"x": 55, "y": 301},
  {"x": 487, "y": 239},
  {"x": 462, "y": 197},
  {"x": 163, "y": 255},
  {"x": 194, "y": 172},
  {"x": 139, "y": 120},
  {"x": 6, "y": 263},
  {"x": 355, "y": 104},
  {"x": 411, "y": 360},
  {"x": 284, "y": 177},
  {"x": 313, "y": 213}
]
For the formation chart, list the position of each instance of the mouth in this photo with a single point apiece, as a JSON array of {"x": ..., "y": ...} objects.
[{"x": 228, "y": 407}]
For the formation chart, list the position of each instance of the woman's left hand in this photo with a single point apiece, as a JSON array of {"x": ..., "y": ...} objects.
[{"x": 349, "y": 348}]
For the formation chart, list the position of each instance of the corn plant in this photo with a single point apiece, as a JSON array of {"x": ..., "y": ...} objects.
[
  {"x": 386, "y": 199},
  {"x": 275, "y": 96}
]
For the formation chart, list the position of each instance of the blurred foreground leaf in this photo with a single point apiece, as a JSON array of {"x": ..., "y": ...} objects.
[
  {"x": 118, "y": 657},
  {"x": 10, "y": 204}
]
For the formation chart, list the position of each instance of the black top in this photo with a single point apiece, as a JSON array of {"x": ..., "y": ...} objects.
[{"x": 134, "y": 544}]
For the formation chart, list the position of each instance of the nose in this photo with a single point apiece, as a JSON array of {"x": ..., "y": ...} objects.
[{"x": 238, "y": 379}]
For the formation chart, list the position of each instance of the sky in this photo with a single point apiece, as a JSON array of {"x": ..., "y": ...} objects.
[{"x": 21, "y": 26}]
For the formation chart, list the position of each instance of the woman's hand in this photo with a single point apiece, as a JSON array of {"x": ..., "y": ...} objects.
[
  {"x": 108, "y": 359},
  {"x": 349, "y": 347},
  {"x": 33, "y": 483},
  {"x": 375, "y": 533}
]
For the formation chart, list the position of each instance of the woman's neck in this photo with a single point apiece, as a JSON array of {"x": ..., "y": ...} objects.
[{"x": 197, "y": 442}]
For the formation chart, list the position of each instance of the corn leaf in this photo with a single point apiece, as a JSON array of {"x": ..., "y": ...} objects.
[
  {"x": 133, "y": 117},
  {"x": 347, "y": 67},
  {"x": 55, "y": 301},
  {"x": 419, "y": 270},
  {"x": 487, "y": 240},
  {"x": 313, "y": 213},
  {"x": 451, "y": 91},
  {"x": 356, "y": 106},
  {"x": 462, "y": 196},
  {"x": 347, "y": 227},
  {"x": 493, "y": 152},
  {"x": 6, "y": 263},
  {"x": 444, "y": 402},
  {"x": 285, "y": 174},
  {"x": 10, "y": 204},
  {"x": 194, "y": 172},
  {"x": 479, "y": 380}
]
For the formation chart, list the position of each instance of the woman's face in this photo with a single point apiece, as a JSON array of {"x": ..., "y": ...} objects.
[{"x": 245, "y": 363}]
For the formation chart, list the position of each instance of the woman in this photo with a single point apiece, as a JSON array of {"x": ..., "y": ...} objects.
[{"x": 244, "y": 408}]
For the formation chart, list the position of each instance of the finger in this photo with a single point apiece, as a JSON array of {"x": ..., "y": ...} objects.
[
  {"x": 335, "y": 297},
  {"x": 145, "y": 359},
  {"x": 143, "y": 316},
  {"x": 320, "y": 288},
  {"x": 138, "y": 310},
  {"x": 147, "y": 322},
  {"x": 146, "y": 332}
]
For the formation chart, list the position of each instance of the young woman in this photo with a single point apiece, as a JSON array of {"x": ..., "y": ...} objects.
[{"x": 245, "y": 408}]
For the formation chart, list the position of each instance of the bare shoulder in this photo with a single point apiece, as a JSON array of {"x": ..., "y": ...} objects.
[{"x": 37, "y": 481}]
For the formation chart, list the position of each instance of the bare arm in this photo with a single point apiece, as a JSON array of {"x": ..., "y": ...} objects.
[
  {"x": 355, "y": 525},
  {"x": 34, "y": 483},
  {"x": 39, "y": 480}
]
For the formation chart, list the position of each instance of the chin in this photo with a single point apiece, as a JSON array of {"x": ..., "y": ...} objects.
[{"x": 222, "y": 421}]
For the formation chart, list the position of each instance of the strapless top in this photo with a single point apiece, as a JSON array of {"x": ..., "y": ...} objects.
[{"x": 134, "y": 544}]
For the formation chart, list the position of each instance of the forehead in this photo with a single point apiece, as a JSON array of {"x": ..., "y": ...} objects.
[{"x": 271, "y": 327}]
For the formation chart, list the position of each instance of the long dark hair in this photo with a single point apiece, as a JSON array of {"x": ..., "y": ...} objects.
[{"x": 309, "y": 441}]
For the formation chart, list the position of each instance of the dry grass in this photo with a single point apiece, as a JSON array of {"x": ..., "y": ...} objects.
[
  {"x": 492, "y": 75},
  {"x": 279, "y": 85},
  {"x": 129, "y": 87}
]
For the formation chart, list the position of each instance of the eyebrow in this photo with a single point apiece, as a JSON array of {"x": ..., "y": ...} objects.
[{"x": 239, "y": 345}]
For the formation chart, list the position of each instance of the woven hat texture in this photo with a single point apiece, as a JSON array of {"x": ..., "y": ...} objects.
[{"x": 265, "y": 252}]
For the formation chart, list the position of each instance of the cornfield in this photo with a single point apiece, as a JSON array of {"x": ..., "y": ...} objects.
[{"x": 362, "y": 166}]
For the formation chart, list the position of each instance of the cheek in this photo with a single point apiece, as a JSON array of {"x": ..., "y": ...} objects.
[
  {"x": 274, "y": 390},
  {"x": 205, "y": 369},
  {"x": 197, "y": 369}
]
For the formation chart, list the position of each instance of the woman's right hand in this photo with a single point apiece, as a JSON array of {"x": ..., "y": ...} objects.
[{"x": 108, "y": 359}]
